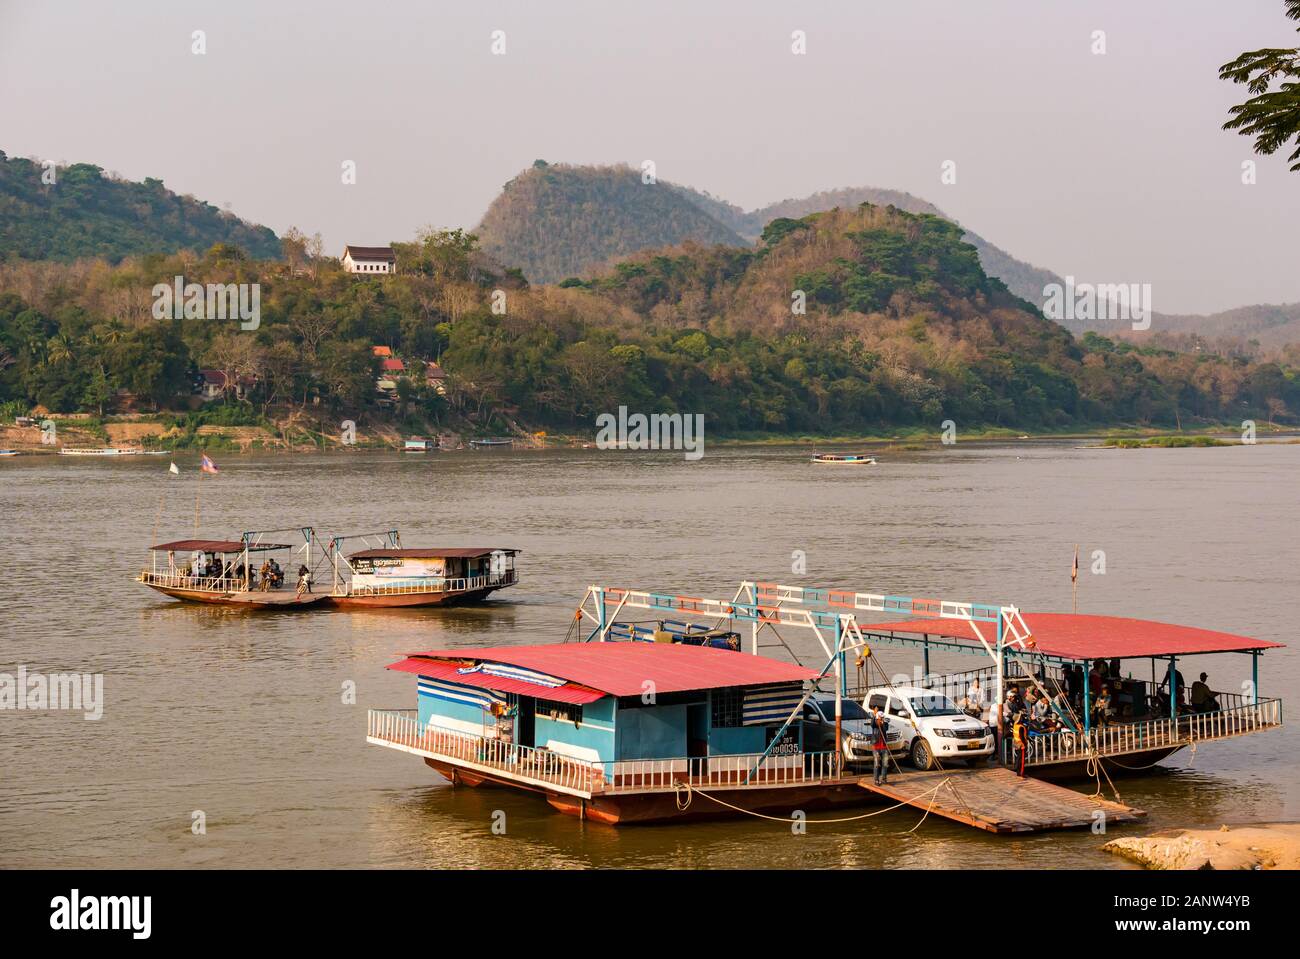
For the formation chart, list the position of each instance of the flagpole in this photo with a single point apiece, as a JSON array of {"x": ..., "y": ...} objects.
[{"x": 1074, "y": 581}]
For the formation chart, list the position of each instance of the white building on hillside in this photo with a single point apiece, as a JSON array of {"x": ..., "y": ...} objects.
[{"x": 369, "y": 259}]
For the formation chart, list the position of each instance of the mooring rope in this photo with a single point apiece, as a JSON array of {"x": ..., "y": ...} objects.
[{"x": 682, "y": 788}]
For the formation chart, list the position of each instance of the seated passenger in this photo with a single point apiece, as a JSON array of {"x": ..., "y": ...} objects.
[{"x": 1203, "y": 698}]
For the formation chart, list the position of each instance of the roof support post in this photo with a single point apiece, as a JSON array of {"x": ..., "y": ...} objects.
[
  {"x": 1254, "y": 676},
  {"x": 1087, "y": 703},
  {"x": 1173, "y": 687},
  {"x": 926, "y": 654}
]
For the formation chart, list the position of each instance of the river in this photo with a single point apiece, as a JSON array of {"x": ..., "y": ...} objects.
[{"x": 242, "y": 716}]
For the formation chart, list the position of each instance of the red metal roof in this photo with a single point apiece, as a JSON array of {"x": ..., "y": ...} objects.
[
  {"x": 623, "y": 668},
  {"x": 216, "y": 546},
  {"x": 446, "y": 669},
  {"x": 393, "y": 364},
  {"x": 1079, "y": 636},
  {"x": 433, "y": 552}
]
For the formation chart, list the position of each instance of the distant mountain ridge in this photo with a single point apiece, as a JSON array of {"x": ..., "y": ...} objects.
[
  {"x": 556, "y": 221},
  {"x": 85, "y": 213}
]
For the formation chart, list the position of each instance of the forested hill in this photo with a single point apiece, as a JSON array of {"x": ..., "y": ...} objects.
[
  {"x": 555, "y": 221},
  {"x": 559, "y": 221},
  {"x": 86, "y": 213},
  {"x": 861, "y": 320}
]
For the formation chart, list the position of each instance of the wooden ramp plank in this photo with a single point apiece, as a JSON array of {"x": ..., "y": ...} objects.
[{"x": 997, "y": 800}]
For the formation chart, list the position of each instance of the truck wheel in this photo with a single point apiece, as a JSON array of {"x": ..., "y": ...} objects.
[{"x": 922, "y": 758}]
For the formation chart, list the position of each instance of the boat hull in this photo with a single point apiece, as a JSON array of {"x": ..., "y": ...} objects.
[
  {"x": 659, "y": 807},
  {"x": 406, "y": 600},
  {"x": 249, "y": 600}
]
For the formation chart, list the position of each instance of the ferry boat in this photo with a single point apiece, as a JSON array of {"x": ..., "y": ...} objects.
[
  {"x": 390, "y": 575},
  {"x": 227, "y": 572},
  {"x": 844, "y": 459},
  {"x": 730, "y": 732}
]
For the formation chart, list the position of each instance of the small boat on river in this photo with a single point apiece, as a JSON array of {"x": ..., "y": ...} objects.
[{"x": 844, "y": 459}]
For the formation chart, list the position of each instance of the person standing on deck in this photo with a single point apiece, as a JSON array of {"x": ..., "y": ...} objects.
[
  {"x": 1019, "y": 742},
  {"x": 879, "y": 746}
]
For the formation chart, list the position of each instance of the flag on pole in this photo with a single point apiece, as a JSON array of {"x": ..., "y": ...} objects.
[
  {"x": 173, "y": 468},
  {"x": 207, "y": 465},
  {"x": 1074, "y": 570}
]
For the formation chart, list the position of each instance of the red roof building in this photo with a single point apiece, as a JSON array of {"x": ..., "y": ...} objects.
[{"x": 616, "y": 668}]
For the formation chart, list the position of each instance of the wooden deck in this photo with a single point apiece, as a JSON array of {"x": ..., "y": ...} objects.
[{"x": 997, "y": 800}]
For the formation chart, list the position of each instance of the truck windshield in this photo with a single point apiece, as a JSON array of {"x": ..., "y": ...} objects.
[{"x": 936, "y": 705}]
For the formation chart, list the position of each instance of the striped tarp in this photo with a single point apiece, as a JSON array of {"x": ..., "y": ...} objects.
[
  {"x": 458, "y": 693},
  {"x": 506, "y": 671},
  {"x": 772, "y": 703}
]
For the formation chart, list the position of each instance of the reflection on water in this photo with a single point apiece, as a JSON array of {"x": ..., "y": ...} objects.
[{"x": 243, "y": 716}]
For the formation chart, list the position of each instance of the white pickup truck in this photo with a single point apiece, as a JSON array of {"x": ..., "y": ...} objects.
[{"x": 933, "y": 727}]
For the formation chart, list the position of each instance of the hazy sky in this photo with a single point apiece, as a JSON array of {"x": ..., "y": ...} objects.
[{"x": 1112, "y": 168}]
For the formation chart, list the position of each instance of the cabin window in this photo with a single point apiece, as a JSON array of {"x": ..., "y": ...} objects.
[
  {"x": 728, "y": 708},
  {"x": 560, "y": 712}
]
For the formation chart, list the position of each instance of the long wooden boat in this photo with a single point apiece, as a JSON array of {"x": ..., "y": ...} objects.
[
  {"x": 844, "y": 459},
  {"x": 391, "y": 576},
  {"x": 224, "y": 572},
  {"x": 108, "y": 451}
]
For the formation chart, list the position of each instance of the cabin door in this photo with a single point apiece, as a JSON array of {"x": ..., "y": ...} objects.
[
  {"x": 526, "y": 721},
  {"x": 697, "y": 730}
]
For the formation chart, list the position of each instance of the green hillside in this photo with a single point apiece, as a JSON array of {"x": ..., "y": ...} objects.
[{"x": 85, "y": 213}]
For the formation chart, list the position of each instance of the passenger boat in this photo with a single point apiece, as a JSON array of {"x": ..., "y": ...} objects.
[
  {"x": 730, "y": 732},
  {"x": 226, "y": 572},
  {"x": 389, "y": 575},
  {"x": 417, "y": 444},
  {"x": 844, "y": 459},
  {"x": 108, "y": 451},
  {"x": 490, "y": 443},
  {"x": 9, "y": 453}
]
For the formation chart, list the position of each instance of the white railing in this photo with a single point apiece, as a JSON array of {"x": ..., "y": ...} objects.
[
  {"x": 208, "y": 584},
  {"x": 403, "y": 730},
  {"x": 459, "y": 584},
  {"x": 1118, "y": 739},
  {"x": 732, "y": 772}
]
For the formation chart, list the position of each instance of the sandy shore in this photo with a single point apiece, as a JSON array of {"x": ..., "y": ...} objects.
[{"x": 1255, "y": 846}]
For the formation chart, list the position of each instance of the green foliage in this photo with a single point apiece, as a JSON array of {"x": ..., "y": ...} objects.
[
  {"x": 87, "y": 214},
  {"x": 1272, "y": 115}
]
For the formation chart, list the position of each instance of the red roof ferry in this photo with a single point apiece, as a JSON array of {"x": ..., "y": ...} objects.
[
  {"x": 611, "y": 730},
  {"x": 391, "y": 576},
  {"x": 244, "y": 572}
]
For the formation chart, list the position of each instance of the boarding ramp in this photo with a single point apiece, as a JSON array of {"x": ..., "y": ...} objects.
[{"x": 995, "y": 799}]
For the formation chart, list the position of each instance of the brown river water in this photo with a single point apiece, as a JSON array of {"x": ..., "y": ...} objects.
[{"x": 241, "y": 715}]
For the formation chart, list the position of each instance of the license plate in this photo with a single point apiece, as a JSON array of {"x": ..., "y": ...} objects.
[{"x": 973, "y": 746}]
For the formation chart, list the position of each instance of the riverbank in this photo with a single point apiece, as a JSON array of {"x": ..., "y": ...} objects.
[
  {"x": 299, "y": 433},
  {"x": 1256, "y": 846}
]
